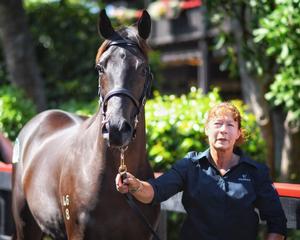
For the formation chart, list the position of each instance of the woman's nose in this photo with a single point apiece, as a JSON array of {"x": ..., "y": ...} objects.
[{"x": 223, "y": 127}]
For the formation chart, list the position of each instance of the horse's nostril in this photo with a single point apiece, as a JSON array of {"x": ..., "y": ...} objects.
[
  {"x": 125, "y": 127},
  {"x": 117, "y": 133}
]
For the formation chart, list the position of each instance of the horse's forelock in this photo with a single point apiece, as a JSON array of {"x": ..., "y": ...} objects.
[
  {"x": 130, "y": 33},
  {"x": 102, "y": 49}
]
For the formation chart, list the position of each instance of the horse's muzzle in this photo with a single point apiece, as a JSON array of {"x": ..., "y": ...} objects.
[{"x": 117, "y": 134}]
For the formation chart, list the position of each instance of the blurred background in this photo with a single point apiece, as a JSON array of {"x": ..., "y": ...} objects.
[{"x": 203, "y": 52}]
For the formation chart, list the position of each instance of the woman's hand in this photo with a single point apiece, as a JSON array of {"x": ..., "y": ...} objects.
[
  {"x": 128, "y": 183},
  {"x": 141, "y": 190}
]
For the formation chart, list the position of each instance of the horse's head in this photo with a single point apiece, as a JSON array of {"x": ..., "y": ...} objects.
[{"x": 124, "y": 77}]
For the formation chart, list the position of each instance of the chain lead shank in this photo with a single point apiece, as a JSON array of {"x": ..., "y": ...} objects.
[{"x": 122, "y": 167}]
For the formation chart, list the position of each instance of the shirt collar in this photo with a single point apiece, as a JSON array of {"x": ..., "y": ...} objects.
[
  {"x": 200, "y": 156},
  {"x": 243, "y": 158}
]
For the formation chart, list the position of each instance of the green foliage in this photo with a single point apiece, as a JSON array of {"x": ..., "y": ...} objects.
[
  {"x": 270, "y": 45},
  {"x": 80, "y": 108},
  {"x": 15, "y": 111},
  {"x": 175, "y": 126},
  {"x": 280, "y": 32},
  {"x": 275, "y": 25},
  {"x": 285, "y": 91},
  {"x": 223, "y": 15},
  {"x": 156, "y": 68},
  {"x": 67, "y": 41}
]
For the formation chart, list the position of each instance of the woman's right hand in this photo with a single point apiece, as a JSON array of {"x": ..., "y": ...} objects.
[
  {"x": 141, "y": 190},
  {"x": 127, "y": 183}
]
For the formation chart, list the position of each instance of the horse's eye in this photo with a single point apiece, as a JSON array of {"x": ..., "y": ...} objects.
[{"x": 100, "y": 68}]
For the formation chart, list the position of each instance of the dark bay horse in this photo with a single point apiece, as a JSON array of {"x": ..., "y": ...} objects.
[{"x": 65, "y": 165}]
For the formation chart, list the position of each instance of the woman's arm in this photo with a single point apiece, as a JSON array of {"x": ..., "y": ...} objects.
[
  {"x": 141, "y": 190},
  {"x": 269, "y": 206},
  {"x": 159, "y": 189},
  {"x": 275, "y": 236}
]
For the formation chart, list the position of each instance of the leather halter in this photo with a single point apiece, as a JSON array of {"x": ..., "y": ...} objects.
[{"x": 139, "y": 103}]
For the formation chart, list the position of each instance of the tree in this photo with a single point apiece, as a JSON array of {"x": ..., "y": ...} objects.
[
  {"x": 280, "y": 32},
  {"x": 260, "y": 71},
  {"x": 19, "y": 51}
]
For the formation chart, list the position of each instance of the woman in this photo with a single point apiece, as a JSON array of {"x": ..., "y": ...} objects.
[{"x": 221, "y": 186}]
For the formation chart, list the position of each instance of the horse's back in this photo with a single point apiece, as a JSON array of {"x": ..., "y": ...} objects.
[
  {"x": 43, "y": 134},
  {"x": 49, "y": 122},
  {"x": 46, "y": 125}
]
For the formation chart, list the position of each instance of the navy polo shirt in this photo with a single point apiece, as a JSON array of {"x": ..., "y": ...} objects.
[{"x": 222, "y": 207}]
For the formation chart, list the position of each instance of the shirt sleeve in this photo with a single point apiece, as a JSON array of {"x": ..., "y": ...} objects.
[
  {"x": 171, "y": 182},
  {"x": 268, "y": 203}
]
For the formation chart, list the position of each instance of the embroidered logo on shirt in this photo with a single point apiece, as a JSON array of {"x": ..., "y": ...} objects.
[{"x": 244, "y": 178}]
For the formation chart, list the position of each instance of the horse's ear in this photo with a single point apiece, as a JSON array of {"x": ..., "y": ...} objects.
[
  {"x": 144, "y": 25},
  {"x": 104, "y": 25}
]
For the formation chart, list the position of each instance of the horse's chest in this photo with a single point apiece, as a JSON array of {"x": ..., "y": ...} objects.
[{"x": 99, "y": 219}]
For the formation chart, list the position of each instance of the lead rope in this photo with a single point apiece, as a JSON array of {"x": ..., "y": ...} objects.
[{"x": 129, "y": 199}]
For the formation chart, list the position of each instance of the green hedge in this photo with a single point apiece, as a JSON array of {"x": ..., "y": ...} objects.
[
  {"x": 175, "y": 125},
  {"x": 15, "y": 111}
]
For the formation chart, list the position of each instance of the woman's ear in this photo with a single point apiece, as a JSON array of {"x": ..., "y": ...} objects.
[
  {"x": 238, "y": 135},
  {"x": 205, "y": 130}
]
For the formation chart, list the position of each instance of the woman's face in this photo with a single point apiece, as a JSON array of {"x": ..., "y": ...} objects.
[{"x": 222, "y": 132}]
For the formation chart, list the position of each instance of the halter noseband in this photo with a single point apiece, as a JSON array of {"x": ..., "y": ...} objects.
[{"x": 139, "y": 103}]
